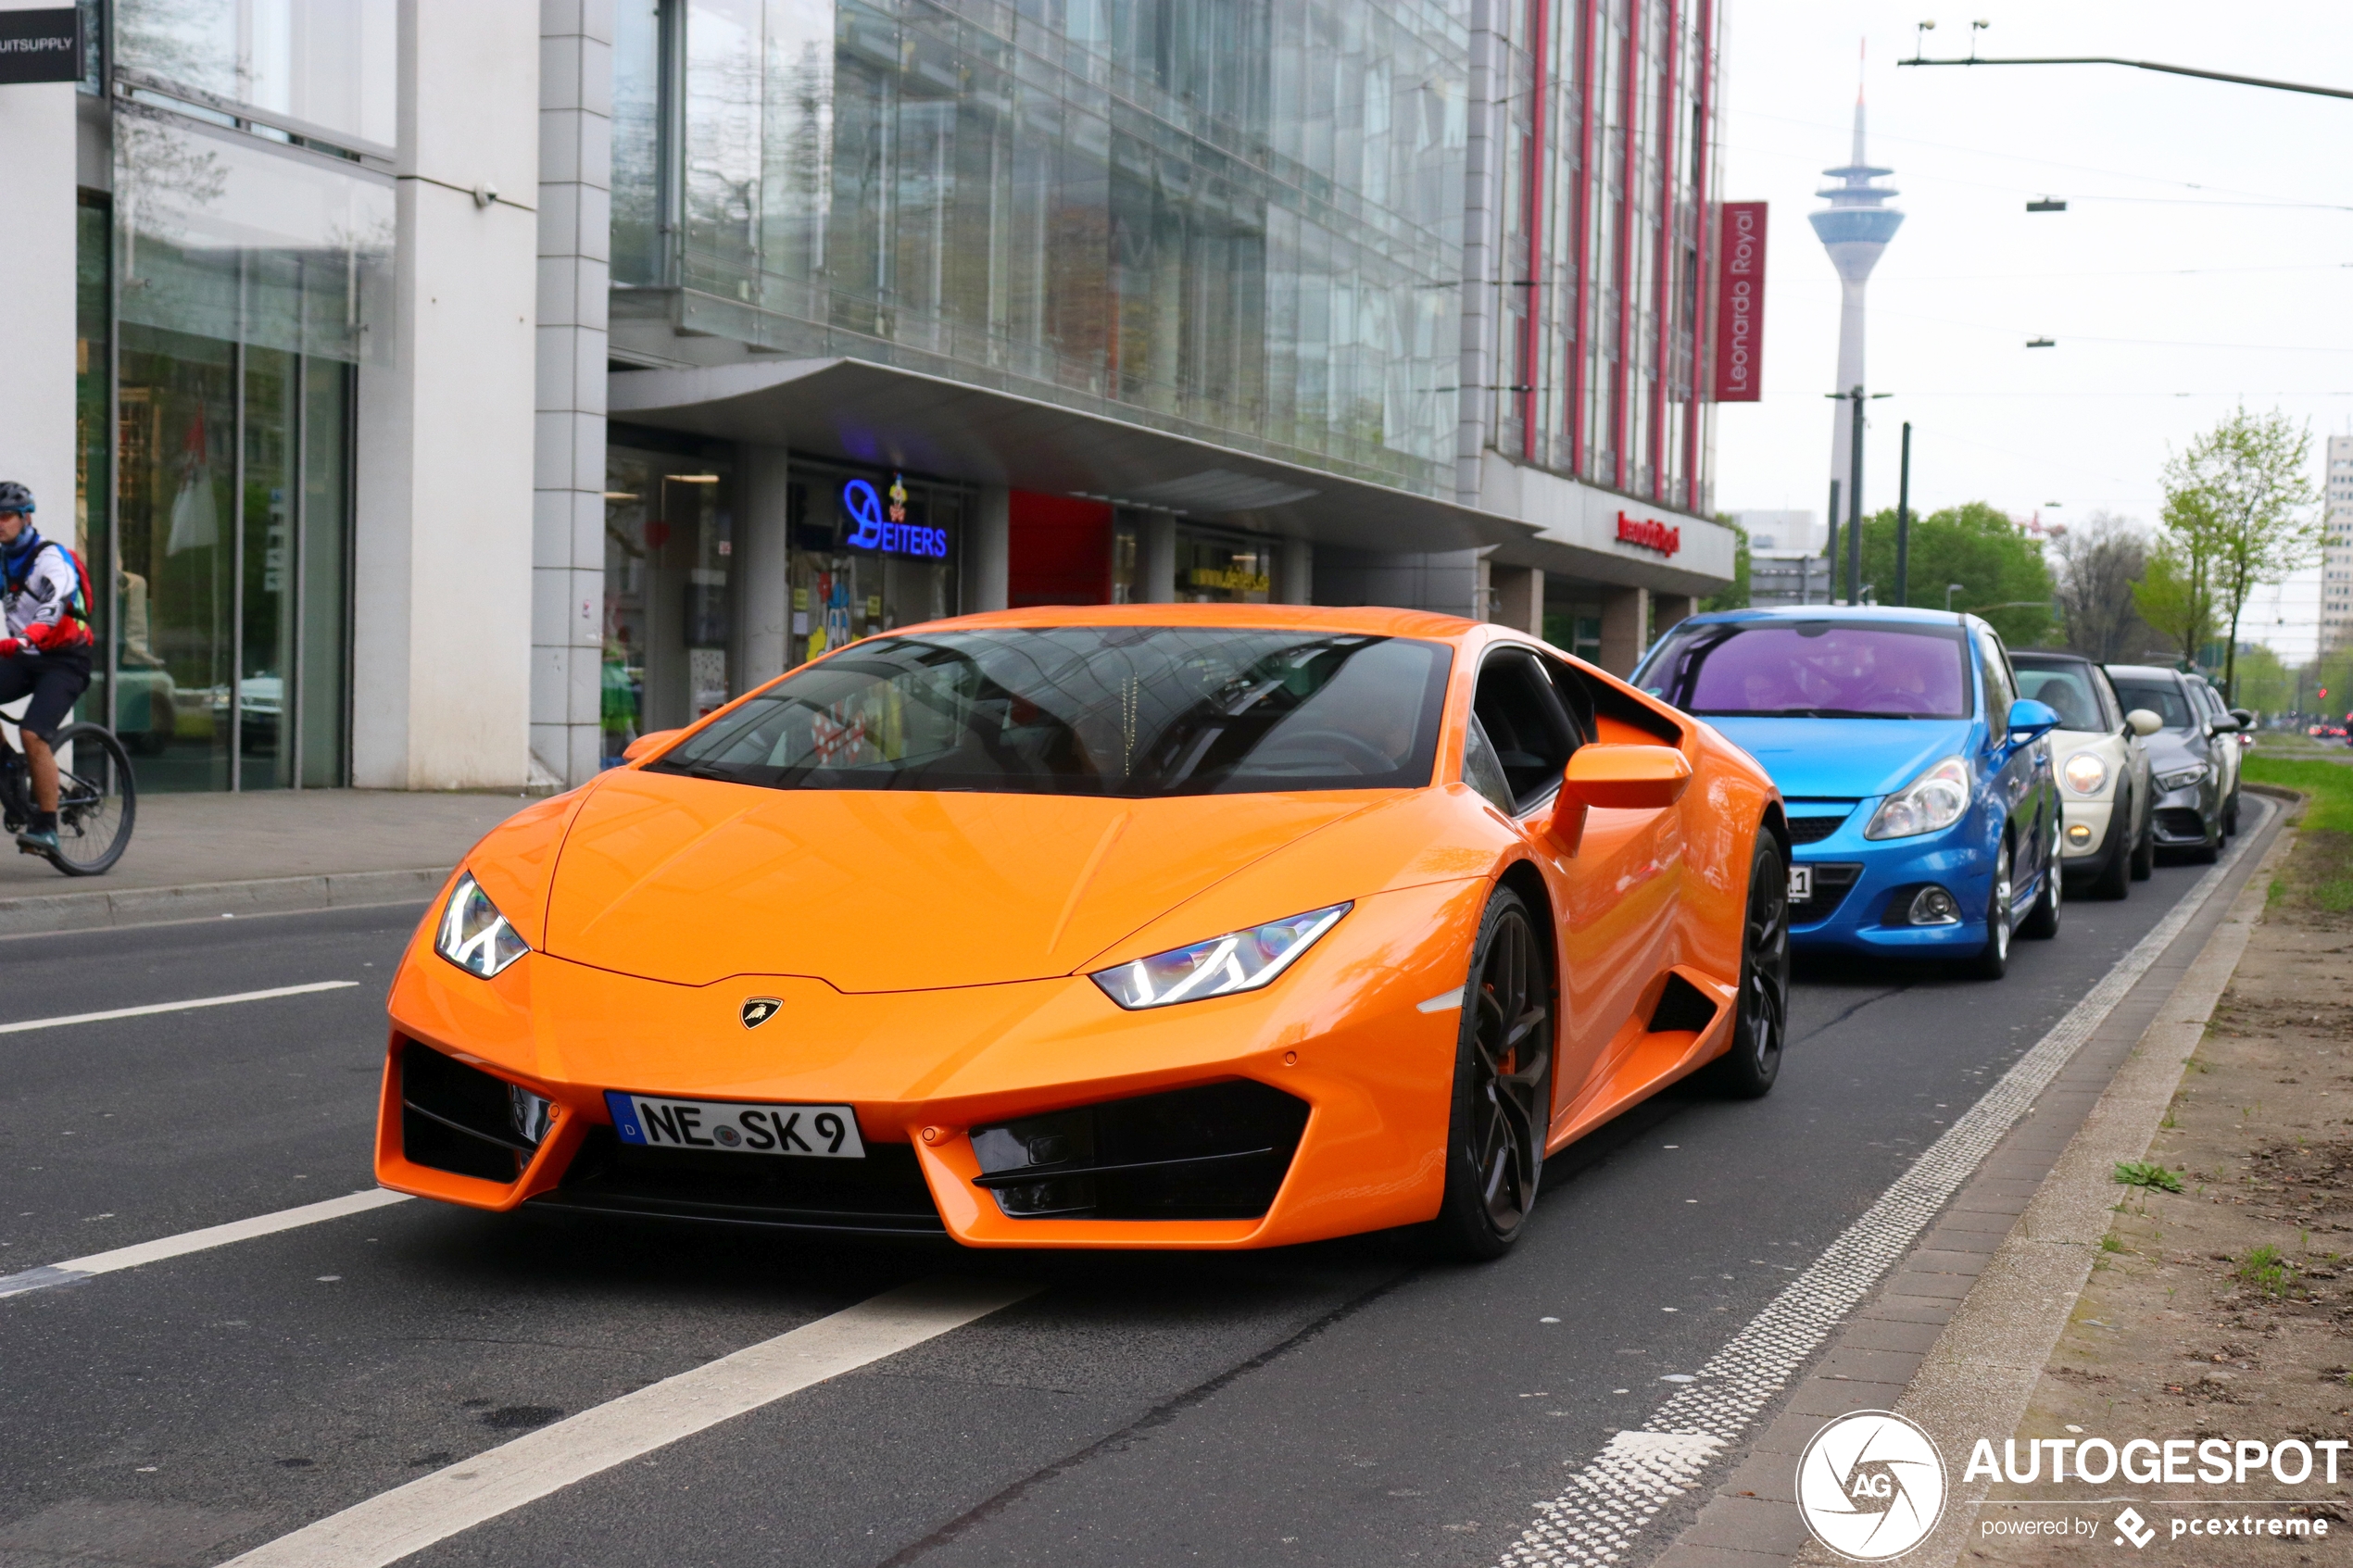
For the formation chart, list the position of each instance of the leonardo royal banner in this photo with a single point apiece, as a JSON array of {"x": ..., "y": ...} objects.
[{"x": 1739, "y": 303}]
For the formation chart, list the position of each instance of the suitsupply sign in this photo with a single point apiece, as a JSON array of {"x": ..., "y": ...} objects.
[{"x": 1739, "y": 303}]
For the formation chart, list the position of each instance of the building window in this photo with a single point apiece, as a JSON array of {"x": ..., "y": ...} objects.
[{"x": 249, "y": 279}]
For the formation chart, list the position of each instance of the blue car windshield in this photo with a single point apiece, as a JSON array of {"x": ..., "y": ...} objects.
[
  {"x": 1826, "y": 669},
  {"x": 1132, "y": 711}
]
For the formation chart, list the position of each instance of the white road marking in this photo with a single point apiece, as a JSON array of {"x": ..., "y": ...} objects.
[
  {"x": 75, "y": 1269},
  {"x": 390, "y": 1526},
  {"x": 151, "y": 1008},
  {"x": 1608, "y": 1502}
]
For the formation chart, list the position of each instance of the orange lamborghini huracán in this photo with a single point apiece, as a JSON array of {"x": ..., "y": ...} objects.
[{"x": 1154, "y": 926}]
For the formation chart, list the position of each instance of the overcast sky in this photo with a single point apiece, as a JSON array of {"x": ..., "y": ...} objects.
[{"x": 2206, "y": 257}]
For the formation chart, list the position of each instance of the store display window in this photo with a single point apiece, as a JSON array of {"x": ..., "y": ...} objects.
[
  {"x": 1224, "y": 569},
  {"x": 870, "y": 552},
  {"x": 669, "y": 545}
]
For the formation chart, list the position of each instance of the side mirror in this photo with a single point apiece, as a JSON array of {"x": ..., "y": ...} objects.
[
  {"x": 2143, "y": 723},
  {"x": 1626, "y": 777},
  {"x": 2031, "y": 721},
  {"x": 2244, "y": 716},
  {"x": 647, "y": 743}
]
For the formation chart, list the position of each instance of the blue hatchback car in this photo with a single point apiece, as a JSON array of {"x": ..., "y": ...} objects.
[{"x": 1922, "y": 813}]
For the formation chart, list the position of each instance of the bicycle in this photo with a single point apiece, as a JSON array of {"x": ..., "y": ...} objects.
[{"x": 97, "y": 799}]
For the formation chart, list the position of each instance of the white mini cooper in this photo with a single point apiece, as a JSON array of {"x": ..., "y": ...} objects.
[{"x": 2110, "y": 837}]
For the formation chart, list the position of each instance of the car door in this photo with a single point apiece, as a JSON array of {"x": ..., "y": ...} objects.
[
  {"x": 1613, "y": 895},
  {"x": 2136, "y": 779},
  {"x": 2222, "y": 746},
  {"x": 2020, "y": 775}
]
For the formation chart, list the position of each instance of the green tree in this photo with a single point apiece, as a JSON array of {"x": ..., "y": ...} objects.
[
  {"x": 2176, "y": 596},
  {"x": 2002, "y": 574},
  {"x": 1735, "y": 594},
  {"x": 2238, "y": 505},
  {"x": 2265, "y": 684}
]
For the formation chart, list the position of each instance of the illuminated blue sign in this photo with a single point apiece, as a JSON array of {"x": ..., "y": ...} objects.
[{"x": 881, "y": 529}]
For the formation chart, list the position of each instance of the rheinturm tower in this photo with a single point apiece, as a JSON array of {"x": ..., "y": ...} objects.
[{"x": 1854, "y": 230}]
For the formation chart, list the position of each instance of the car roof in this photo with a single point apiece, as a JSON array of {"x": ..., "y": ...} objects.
[
  {"x": 1367, "y": 620},
  {"x": 1894, "y": 614},
  {"x": 2143, "y": 669},
  {"x": 2047, "y": 655}
]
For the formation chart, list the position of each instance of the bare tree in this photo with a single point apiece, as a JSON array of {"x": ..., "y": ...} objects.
[{"x": 2098, "y": 563}]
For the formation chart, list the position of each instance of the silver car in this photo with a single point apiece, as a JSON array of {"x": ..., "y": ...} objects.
[{"x": 2186, "y": 757}]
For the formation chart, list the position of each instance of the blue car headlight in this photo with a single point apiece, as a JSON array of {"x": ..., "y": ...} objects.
[
  {"x": 1936, "y": 799},
  {"x": 1240, "y": 961}
]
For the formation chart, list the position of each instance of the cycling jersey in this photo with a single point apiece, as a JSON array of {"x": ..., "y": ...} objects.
[{"x": 43, "y": 589}]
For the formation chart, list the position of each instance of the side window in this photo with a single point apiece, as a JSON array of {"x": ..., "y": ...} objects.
[
  {"x": 1527, "y": 725},
  {"x": 2111, "y": 706},
  {"x": 1483, "y": 770},
  {"x": 2001, "y": 690}
]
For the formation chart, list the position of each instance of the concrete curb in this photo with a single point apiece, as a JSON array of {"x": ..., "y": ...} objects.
[
  {"x": 1979, "y": 1375},
  {"x": 47, "y": 914}
]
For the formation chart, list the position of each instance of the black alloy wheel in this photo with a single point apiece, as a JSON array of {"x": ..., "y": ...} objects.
[
  {"x": 1760, "y": 1029},
  {"x": 1502, "y": 1086},
  {"x": 1995, "y": 962},
  {"x": 2114, "y": 880},
  {"x": 2144, "y": 847}
]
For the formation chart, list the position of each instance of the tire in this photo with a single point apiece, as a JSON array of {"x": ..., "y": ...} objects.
[
  {"x": 1501, "y": 1103},
  {"x": 2144, "y": 850},
  {"x": 2042, "y": 922},
  {"x": 2115, "y": 881},
  {"x": 1760, "y": 1027},
  {"x": 1995, "y": 962},
  {"x": 2210, "y": 851},
  {"x": 97, "y": 801}
]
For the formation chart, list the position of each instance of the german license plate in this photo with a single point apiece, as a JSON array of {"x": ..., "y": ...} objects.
[
  {"x": 718, "y": 1126},
  {"x": 1801, "y": 884}
]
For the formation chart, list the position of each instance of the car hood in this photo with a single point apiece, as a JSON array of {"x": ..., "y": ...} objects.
[
  {"x": 2172, "y": 749},
  {"x": 690, "y": 881},
  {"x": 1845, "y": 758}
]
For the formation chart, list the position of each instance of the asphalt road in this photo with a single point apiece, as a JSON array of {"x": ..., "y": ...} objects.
[{"x": 1345, "y": 1403}]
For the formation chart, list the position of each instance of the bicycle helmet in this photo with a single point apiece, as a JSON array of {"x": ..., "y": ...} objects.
[{"x": 14, "y": 497}]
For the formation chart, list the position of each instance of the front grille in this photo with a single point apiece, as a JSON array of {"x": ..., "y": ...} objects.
[
  {"x": 1813, "y": 830},
  {"x": 1218, "y": 1152},
  {"x": 457, "y": 1118},
  {"x": 1832, "y": 882},
  {"x": 884, "y": 1193},
  {"x": 2181, "y": 823}
]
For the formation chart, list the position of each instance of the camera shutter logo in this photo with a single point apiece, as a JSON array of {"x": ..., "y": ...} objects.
[{"x": 1870, "y": 1486}]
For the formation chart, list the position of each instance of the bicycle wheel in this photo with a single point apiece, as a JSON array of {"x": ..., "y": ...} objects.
[{"x": 96, "y": 801}]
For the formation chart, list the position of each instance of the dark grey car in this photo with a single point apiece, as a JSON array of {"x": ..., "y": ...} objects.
[
  {"x": 2235, "y": 723},
  {"x": 2193, "y": 777}
]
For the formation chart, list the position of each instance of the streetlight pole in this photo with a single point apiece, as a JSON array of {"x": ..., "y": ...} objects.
[
  {"x": 1855, "y": 506},
  {"x": 1904, "y": 522},
  {"x": 1950, "y": 589},
  {"x": 1830, "y": 553}
]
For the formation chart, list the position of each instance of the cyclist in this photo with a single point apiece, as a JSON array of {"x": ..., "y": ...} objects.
[{"x": 44, "y": 650}]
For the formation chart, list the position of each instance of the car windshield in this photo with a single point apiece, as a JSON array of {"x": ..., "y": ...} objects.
[
  {"x": 1106, "y": 710},
  {"x": 2068, "y": 688},
  {"x": 1814, "y": 669},
  {"x": 2163, "y": 699}
]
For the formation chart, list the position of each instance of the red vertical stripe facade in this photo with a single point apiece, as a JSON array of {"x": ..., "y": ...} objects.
[
  {"x": 1620, "y": 406},
  {"x": 1702, "y": 327},
  {"x": 1580, "y": 347},
  {"x": 1535, "y": 186},
  {"x": 1663, "y": 265}
]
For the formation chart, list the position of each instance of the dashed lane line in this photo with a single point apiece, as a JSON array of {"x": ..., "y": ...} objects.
[
  {"x": 1593, "y": 1524},
  {"x": 152, "y": 1008},
  {"x": 390, "y": 1526},
  {"x": 73, "y": 1271}
]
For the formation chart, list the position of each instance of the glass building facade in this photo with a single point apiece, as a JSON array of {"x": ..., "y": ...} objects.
[{"x": 235, "y": 276}]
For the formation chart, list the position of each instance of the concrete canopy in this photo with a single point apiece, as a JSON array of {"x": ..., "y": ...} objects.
[{"x": 884, "y": 416}]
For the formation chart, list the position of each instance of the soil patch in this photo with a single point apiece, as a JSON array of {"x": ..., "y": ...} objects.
[{"x": 2225, "y": 1311}]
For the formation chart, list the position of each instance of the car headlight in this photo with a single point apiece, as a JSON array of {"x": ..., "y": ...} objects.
[
  {"x": 2086, "y": 774},
  {"x": 1934, "y": 801},
  {"x": 2180, "y": 777},
  {"x": 473, "y": 935},
  {"x": 1240, "y": 961}
]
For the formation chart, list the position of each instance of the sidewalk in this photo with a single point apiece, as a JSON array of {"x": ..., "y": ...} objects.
[{"x": 201, "y": 856}]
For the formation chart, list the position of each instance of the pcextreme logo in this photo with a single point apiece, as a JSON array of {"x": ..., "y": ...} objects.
[{"x": 1870, "y": 1486}]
